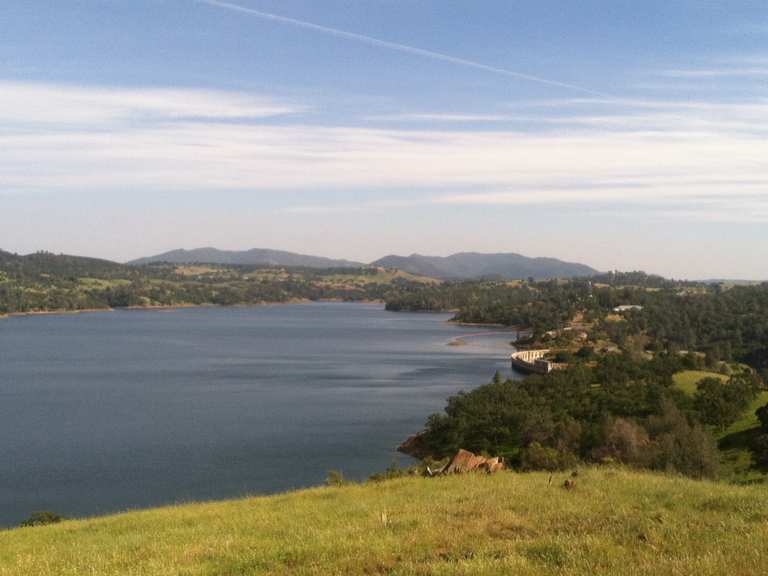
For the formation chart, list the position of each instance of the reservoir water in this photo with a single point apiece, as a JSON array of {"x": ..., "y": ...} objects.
[{"x": 105, "y": 412}]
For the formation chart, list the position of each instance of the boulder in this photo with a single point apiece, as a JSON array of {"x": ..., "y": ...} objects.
[
  {"x": 465, "y": 461},
  {"x": 492, "y": 465}
]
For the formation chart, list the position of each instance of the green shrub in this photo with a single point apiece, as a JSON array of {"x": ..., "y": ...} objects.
[
  {"x": 762, "y": 415},
  {"x": 335, "y": 478},
  {"x": 42, "y": 518},
  {"x": 538, "y": 457}
]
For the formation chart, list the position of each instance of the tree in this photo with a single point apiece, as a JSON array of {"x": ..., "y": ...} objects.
[
  {"x": 678, "y": 446},
  {"x": 721, "y": 403},
  {"x": 762, "y": 415},
  {"x": 625, "y": 441}
]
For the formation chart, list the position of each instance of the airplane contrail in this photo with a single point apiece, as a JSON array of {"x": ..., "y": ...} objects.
[{"x": 370, "y": 40}]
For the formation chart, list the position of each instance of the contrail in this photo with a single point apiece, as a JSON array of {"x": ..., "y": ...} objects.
[{"x": 370, "y": 40}]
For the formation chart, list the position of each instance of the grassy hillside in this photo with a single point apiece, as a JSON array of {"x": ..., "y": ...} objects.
[
  {"x": 688, "y": 379},
  {"x": 736, "y": 460},
  {"x": 614, "y": 522}
]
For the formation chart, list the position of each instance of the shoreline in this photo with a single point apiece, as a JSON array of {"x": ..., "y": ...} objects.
[
  {"x": 61, "y": 312},
  {"x": 511, "y": 329},
  {"x": 160, "y": 307}
]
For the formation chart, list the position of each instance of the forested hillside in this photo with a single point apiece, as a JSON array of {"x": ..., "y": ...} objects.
[
  {"x": 651, "y": 372},
  {"x": 47, "y": 282}
]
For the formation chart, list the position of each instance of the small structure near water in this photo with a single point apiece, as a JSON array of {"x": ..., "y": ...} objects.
[{"x": 534, "y": 362}]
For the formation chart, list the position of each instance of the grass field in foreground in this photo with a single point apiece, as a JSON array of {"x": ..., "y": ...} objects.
[{"x": 614, "y": 522}]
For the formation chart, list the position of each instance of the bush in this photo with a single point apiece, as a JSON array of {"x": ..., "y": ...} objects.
[
  {"x": 563, "y": 357},
  {"x": 625, "y": 442},
  {"x": 335, "y": 478},
  {"x": 760, "y": 450},
  {"x": 538, "y": 457},
  {"x": 42, "y": 518},
  {"x": 586, "y": 353}
]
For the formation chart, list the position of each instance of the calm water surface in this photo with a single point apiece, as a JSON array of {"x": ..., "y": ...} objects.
[{"x": 109, "y": 411}]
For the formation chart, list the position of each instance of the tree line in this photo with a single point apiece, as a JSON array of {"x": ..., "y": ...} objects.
[{"x": 44, "y": 282}]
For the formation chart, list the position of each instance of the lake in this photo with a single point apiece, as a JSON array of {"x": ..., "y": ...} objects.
[{"x": 102, "y": 412}]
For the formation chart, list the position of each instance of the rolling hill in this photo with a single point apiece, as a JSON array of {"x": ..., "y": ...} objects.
[
  {"x": 254, "y": 257},
  {"x": 461, "y": 266},
  {"x": 465, "y": 265},
  {"x": 48, "y": 264}
]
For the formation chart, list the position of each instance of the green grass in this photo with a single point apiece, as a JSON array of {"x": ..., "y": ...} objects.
[
  {"x": 737, "y": 464},
  {"x": 101, "y": 283},
  {"x": 736, "y": 461},
  {"x": 383, "y": 276},
  {"x": 748, "y": 419},
  {"x": 688, "y": 379},
  {"x": 614, "y": 522}
]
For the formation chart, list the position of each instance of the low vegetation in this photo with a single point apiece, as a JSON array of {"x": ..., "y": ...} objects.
[{"x": 613, "y": 521}]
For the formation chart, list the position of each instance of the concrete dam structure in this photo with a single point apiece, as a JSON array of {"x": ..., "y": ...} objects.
[{"x": 533, "y": 362}]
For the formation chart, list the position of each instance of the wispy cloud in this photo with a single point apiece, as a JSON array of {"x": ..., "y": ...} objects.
[
  {"x": 716, "y": 73},
  {"x": 618, "y": 114},
  {"x": 63, "y": 139},
  {"x": 356, "y": 207},
  {"x": 67, "y": 105},
  {"x": 665, "y": 191},
  {"x": 437, "y": 117}
]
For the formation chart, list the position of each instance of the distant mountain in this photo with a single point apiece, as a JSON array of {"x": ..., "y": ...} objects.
[
  {"x": 474, "y": 265},
  {"x": 458, "y": 266},
  {"x": 255, "y": 257}
]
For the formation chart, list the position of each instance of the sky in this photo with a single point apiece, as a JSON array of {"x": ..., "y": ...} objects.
[{"x": 621, "y": 134}]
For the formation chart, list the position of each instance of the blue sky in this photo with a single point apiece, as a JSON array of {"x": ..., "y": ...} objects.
[{"x": 629, "y": 135}]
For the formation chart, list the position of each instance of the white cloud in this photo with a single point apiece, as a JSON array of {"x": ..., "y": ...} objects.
[
  {"x": 68, "y": 140},
  {"x": 717, "y": 73},
  {"x": 702, "y": 194},
  {"x": 449, "y": 118},
  {"x": 66, "y": 105}
]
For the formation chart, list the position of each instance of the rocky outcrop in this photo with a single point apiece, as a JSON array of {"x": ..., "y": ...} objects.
[
  {"x": 462, "y": 462},
  {"x": 414, "y": 446},
  {"x": 465, "y": 461}
]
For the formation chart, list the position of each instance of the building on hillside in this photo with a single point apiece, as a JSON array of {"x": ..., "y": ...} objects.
[{"x": 627, "y": 308}]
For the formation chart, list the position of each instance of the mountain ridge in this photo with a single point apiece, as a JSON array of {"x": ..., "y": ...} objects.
[
  {"x": 471, "y": 265},
  {"x": 251, "y": 257},
  {"x": 459, "y": 266}
]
